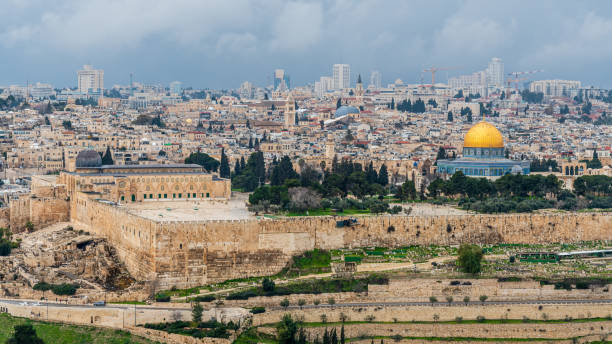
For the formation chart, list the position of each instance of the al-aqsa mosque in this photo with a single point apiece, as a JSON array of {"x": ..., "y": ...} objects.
[{"x": 483, "y": 155}]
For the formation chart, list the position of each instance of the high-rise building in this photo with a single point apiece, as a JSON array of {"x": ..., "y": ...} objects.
[
  {"x": 495, "y": 73},
  {"x": 90, "y": 80},
  {"x": 247, "y": 91},
  {"x": 176, "y": 87},
  {"x": 375, "y": 79},
  {"x": 324, "y": 84},
  {"x": 342, "y": 76},
  {"x": 281, "y": 80}
]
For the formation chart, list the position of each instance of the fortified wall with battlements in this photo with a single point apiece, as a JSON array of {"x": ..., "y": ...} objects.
[{"x": 191, "y": 253}]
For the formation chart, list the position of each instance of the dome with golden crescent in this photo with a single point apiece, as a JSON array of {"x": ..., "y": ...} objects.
[{"x": 483, "y": 135}]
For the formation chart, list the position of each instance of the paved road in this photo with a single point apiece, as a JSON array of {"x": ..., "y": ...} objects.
[
  {"x": 108, "y": 305},
  {"x": 354, "y": 304}
]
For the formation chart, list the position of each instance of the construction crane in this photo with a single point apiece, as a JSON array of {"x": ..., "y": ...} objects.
[
  {"x": 433, "y": 71},
  {"x": 520, "y": 76}
]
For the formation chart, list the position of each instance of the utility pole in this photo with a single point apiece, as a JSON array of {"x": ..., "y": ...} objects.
[{"x": 134, "y": 315}]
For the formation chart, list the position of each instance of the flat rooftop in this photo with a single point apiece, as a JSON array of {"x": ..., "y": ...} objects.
[{"x": 185, "y": 210}]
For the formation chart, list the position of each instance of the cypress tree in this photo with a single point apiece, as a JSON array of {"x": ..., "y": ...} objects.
[
  {"x": 383, "y": 175},
  {"x": 334, "y": 337},
  {"x": 326, "y": 339},
  {"x": 107, "y": 158},
  {"x": 224, "y": 169},
  {"x": 237, "y": 167}
]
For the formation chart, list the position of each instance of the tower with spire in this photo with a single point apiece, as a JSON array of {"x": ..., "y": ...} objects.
[{"x": 359, "y": 87}]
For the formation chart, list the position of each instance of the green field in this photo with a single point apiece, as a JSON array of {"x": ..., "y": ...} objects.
[{"x": 56, "y": 333}]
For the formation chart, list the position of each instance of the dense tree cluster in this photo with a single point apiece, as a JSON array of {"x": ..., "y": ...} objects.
[
  {"x": 544, "y": 165},
  {"x": 251, "y": 174},
  {"x": 209, "y": 163},
  {"x": 148, "y": 120},
  {"x": 598, "y": 185},
  {"x": 417, "y": 107},
  {"x": 532, "y": 97},
  {"x": 310, "y": 189}
]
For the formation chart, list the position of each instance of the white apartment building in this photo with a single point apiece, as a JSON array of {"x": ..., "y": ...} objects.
[
  {"x": 342, "y": 76},
  {"x": 90, "y": 80},
  {"x": 555, "y": 88},
  {"x": 495, "y": 73}
]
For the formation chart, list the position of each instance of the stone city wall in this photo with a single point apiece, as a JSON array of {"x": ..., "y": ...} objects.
[
  {"x": 185, "y": 254},
  {"x": 41, "y": 212},
  {"x": 132, "y": 236},
  {"x": 5, "y": 215}
]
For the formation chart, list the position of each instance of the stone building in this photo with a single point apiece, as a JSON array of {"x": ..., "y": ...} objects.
[{"x": 143, "y": 183}]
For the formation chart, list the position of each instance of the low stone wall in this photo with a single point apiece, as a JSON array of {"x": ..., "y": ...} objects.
[
  {"x": 443, "y": 311},
  {"x": 522, "y": 330},
  {"x": 170, "y": 338},
  {"x": 117, "y": 316}
]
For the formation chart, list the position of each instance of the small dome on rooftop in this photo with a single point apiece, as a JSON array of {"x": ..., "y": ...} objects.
[{"x": 88, "y": 158}]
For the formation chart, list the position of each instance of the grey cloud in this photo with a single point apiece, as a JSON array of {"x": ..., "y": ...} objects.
[{"x": 218, "y": 43}]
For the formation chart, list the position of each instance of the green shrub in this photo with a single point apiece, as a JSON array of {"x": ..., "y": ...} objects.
[
  {"x": 5, "y": 248},
  {"x": 64, "y": 289},
  {"x": 42, "y": 286},
  {"x": 258, "y": 310},
  {"x": 204, "y": 298},
  {"x": 162, "y": 297}
]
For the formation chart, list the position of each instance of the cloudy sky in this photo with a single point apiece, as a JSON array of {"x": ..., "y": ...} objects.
[{"x": 220, "y": 43}]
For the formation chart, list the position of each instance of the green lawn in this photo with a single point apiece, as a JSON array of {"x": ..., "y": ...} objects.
[
  {"x": 129, "y": 303},
  {"x": 324, "y": 212},
  {"x": 58, "y": 333}
]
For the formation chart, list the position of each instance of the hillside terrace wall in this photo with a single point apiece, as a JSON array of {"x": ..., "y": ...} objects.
[
  {"x": 526, "y": 330},
  {"x": 444, "y": 312},
  {"x": 185, "y": 254}
]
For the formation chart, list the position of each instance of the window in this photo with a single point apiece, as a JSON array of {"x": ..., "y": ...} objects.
[
  {"x": 207, "y": 195},
  {"x": 158, "y": 195},
  {"x": 122, "y": 198},
  {"x": 145, "y": 196},
  {"x": 180, "y": 195},
  {"x": 150, "y": 195},
  {"x": 194, "y": 195},
  {"x": 188, "y": 195},
  {"x": 173, "y": 195},
  {"x": 165, "y": 195}
]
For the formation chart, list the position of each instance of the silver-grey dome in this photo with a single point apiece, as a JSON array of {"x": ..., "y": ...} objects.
[
  {"x": 88, "y": 158},
  {"x": 345, "y": 110}
]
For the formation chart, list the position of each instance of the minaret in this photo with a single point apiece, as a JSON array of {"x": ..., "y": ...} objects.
[{"x": 290, "y": 111}]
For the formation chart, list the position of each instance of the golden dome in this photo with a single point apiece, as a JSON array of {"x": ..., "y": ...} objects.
[{"x": 483, "y": 135}]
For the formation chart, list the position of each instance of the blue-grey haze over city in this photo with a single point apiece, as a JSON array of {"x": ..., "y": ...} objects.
[{"x": 219, "y": 44}]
